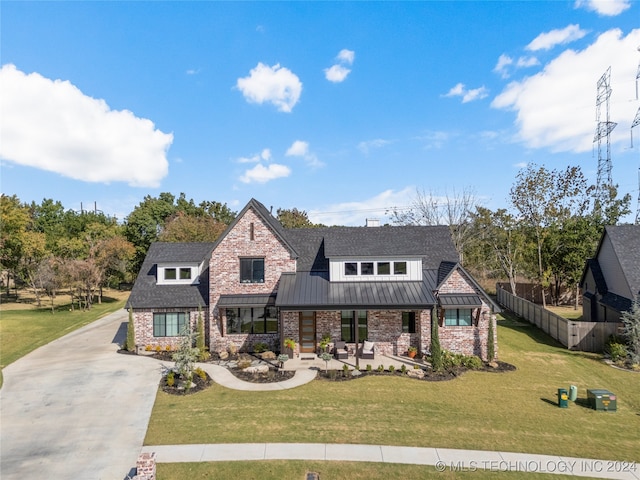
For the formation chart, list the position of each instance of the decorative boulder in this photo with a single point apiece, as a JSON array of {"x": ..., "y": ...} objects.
[
  {"x": 223, "y": 355},
  {"x": 415, "y": 373},
  {"x": 268, "y": 356},
  {"x": 257, "y": 369}
]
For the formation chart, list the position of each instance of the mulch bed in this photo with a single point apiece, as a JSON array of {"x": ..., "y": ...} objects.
[
  {"x": 199, "y": 384},
  {"x": 340, "y": 376},
  {"x": 270, "y": 377}
]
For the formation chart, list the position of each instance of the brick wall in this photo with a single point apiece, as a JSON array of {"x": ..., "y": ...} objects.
[
  {"x": 470, "y": 340},
  {"x": 143, "y": 325},
  {"x": 224, "y": 273}
]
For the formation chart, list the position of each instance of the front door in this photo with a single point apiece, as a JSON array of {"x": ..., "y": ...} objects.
[{"x": 307, "y": 332}]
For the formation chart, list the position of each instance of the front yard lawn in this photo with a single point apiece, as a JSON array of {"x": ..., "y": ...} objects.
[{"x": 514, "y": 411}]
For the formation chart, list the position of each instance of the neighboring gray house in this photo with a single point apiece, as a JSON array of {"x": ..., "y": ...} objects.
[
  {"x": 260, "y": 282},
  {"x": 611, "y": 280}
]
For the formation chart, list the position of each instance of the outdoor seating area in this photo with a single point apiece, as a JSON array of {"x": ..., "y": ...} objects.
[{"x": 304, "y": 361}]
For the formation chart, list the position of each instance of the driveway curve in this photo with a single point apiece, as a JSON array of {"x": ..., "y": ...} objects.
[{"x": 74, "y": 408}]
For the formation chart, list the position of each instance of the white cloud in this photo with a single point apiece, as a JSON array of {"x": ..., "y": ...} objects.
[
  {"x": 336, "y": 73},
  {"x": 525, "y": 62},
  {"x": 346, "y": 56},
  {"x": 355, "y": 213},
  {"x": 520, "y": 165},
  {"x": 193, "y": 71},
  {"x": 467, "y": 95},
  {"x": 300, "y": 148},
  {"x": 276, "y": 85},
  {"x": 556, "y": 107},
  {"x": 548, "y": 40},
  {"x": 608, "y": 8},
  {"x": 501, "y": 67},
  {"x": 262, "y": 174},
  {"x": 51, "y": 125},
  {"x": 366, "y": 146},
  {"x": 435, "y": 139},
  {"x": 264, "y": 155}
]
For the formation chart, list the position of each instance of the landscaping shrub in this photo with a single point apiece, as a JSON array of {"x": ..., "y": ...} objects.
[
  {"x": 244, "y": 363},
  {"x": 130, "y": 343},
  {"x": 345, "y": 370},
  {"x": 171, "y": 380},
  {"x": 617, "y": 352},
  {"x": 631, "y": 321},
  {"x": 472, "y": 362},
  {"x": 201, "y": 373},
  {"x": 391, "y": 369},
  {"x": 380, "y": 368},
  {"x": 369, "y": 367},
  {"x": 436, "y": 349},
  {"x": 491, "y": 350},
  {"x": 403, "y": 369},
  {"x": 260, "y": 347}
]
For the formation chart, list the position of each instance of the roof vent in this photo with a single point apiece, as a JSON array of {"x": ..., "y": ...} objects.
[{"x": 373, "y": 222}]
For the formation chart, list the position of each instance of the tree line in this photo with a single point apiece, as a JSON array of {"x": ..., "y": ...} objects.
[
  {"x": 51, "y": 249},
  {"x": 552, "y": 225}
]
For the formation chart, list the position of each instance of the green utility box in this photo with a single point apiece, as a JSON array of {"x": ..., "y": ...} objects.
[
  {"x": 563, "y": 398},
  {"x": 602, "y": 400}
]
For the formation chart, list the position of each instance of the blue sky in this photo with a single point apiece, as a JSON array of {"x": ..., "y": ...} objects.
[{"x": 344, "y": 110}]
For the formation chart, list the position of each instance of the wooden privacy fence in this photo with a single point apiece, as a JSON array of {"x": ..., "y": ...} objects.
[{"x": 573, "y": 334}]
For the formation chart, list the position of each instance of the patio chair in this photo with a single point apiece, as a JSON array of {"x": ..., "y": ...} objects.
[
  {"x": 340, "y": 351},
  {"x": 367, "y": 352}
]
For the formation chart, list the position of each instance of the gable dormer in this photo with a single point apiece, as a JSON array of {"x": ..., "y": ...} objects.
[{"x": 177, "y": 273}]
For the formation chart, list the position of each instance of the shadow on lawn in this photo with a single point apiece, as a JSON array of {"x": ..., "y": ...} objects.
[
  {"x": 580, "y": 402},
  {"x": 519, "y": 324}
]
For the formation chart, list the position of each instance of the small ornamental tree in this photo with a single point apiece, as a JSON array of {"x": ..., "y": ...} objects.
[
  {"x": 491, "y": 349},
  {"x": 130, "y": 343},
  {"x": 436, "y": 350},
  {"x": 631, "y": 321},
  {"x": 186, "y": 354}
]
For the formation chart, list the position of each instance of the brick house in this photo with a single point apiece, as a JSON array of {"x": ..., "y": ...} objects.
[{"x": 260, "y": 282}]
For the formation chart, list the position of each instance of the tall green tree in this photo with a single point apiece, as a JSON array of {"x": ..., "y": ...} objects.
[
  {"x": 294, "y": 218},
  {"x": 544, "y": 198},
  {"x": 14, "y": 220}
]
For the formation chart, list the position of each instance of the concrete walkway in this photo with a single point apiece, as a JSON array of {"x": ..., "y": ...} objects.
[
  {"x": 222, "y": 376},
  {"x": 75, "y": 408},
  {"x": 445, "y": 460}
]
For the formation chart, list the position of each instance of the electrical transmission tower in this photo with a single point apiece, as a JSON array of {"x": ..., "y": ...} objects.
[
  {"x": 603, "y": 136},
  {"x": 635, "y": 123}
]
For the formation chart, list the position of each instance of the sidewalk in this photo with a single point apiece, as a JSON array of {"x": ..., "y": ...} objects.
[
  {"x": 222, "y": 376},
  {"x": 445, "y": 460}
]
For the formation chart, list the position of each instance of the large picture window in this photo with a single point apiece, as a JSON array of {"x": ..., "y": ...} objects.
[
  {"x": 409, "y": 322},
  {"x": 252, "y": 320},
  {"x": 252, "y": 270},
  {"x": 169, "y": 324},
  {"x": 459, "y": 317},
  {"x": 349, "y": 325}
]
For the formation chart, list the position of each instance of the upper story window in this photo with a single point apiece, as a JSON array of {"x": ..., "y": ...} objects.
[
  {"x": 399, "y": 268},
  {"x": 366, "y": 268},
  {"x": 177, "y": 274},
  {"x": 384, "y": 268},
  {"x": 252, "y": 270},
  {"x": 351, "y": 268}
]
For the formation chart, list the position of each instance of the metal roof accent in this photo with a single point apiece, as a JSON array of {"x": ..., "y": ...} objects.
[
  {"x": 312, "y": 291},
  {"x": 247, "y": 300},
  {"x": 457, "y": 300}
]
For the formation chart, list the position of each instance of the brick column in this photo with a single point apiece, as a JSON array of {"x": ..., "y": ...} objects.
[{"x": 146, "y": 466}]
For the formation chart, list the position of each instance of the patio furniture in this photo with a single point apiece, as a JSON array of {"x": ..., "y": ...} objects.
[
  {"x": 367, "y": 350},
  {"x": 340, "y": 351}
]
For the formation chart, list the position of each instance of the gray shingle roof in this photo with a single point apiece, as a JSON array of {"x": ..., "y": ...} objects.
[
  {"x": 145, "y": 292},
  {"x": 316, "y": 245},
  {"x": 626, "y": 243}
]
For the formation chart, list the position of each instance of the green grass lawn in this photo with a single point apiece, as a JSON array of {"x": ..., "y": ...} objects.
[
  {"x": 513, "y": 411},
  {"x": 24, "y": 329},
  {"x": 282, "y": 470}
]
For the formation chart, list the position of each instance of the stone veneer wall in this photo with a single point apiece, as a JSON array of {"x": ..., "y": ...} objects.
[
  {"x": 143, "y": 324},
  {"x": 224, "y": 274}
]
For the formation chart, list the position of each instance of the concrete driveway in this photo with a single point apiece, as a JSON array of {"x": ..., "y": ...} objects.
[{"x": 75, "y": 408}]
